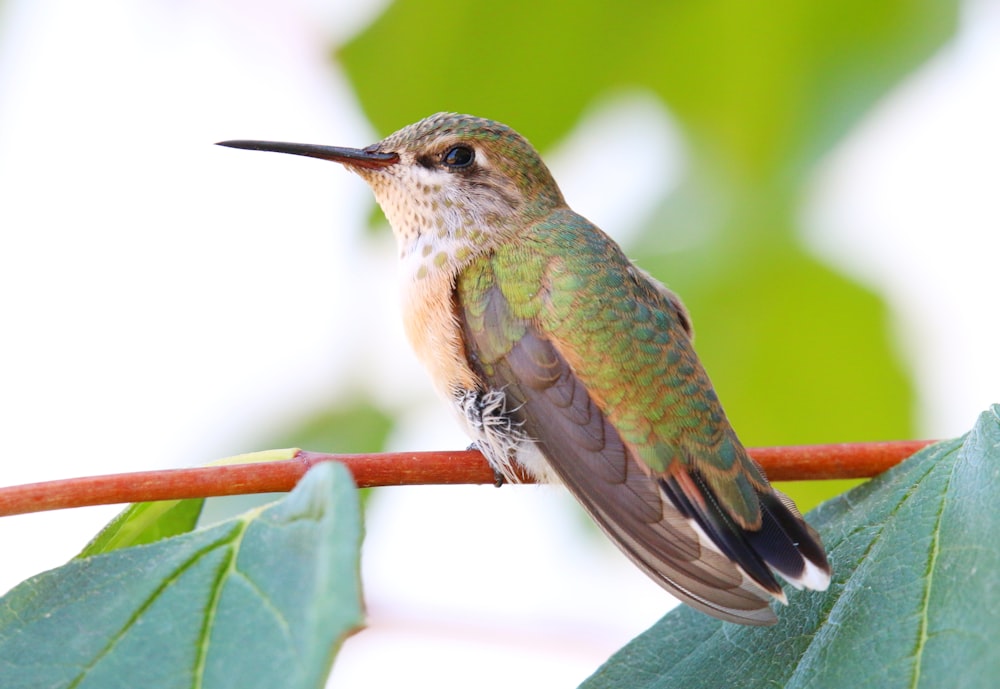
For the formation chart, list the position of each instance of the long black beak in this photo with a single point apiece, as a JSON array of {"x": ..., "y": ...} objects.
[{"x": 354, "y": 157}]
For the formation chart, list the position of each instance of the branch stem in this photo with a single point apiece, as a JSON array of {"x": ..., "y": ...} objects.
[{"x": 790, "y": 463}]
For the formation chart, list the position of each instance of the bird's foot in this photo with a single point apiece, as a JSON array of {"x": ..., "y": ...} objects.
[{"x": 498, "y": 477}]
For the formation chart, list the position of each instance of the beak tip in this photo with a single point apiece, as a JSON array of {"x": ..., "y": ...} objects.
[
  {"x": 351, "y": 157},
  {"x": 235, "y": 143}
]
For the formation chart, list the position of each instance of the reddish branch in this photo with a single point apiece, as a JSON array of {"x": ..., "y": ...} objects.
[{"x": 804, "y": 462}]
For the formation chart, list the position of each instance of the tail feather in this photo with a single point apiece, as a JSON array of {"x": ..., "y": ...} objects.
[
  {"x": 790, "y": 545},
  {"x": 784, "y": 543}
]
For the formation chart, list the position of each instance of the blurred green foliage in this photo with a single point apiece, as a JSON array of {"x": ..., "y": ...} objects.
[
  {"x": 762, "y": 91},
  {"x": 342, "y": 427}
]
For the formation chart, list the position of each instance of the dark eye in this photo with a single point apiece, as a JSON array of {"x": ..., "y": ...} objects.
[{"x": 458, "y": 157}]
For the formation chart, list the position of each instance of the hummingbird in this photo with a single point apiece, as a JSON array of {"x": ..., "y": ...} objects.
[{"x": 563, "y": 358}]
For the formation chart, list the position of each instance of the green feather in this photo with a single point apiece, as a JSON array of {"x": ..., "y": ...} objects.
[{"x": 625, "y": 342}]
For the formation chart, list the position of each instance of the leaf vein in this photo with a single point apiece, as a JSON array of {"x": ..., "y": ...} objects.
[
  {"x": 146, "y": 604},
  {"x": 825, "y": 622},
  {"x": 279, "y": 616},
  {"x": 935, "y": 549},
  {"x": 201, "y": 657}
]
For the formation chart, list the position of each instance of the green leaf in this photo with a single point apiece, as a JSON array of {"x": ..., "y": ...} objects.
[
  {"x": 145, "y": 522},
  {"x": 913, "y": 602},
  {"x": 263, "y": 600},
  {"x": 761, "y": 85}
]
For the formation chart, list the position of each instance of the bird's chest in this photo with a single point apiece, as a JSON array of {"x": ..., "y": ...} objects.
[
  {"x": 432, "y": 327},
  {"x": 431, "y": 322}
]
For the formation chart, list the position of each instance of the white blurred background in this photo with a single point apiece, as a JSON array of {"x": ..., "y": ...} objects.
[{"x": 159, "y": 299}]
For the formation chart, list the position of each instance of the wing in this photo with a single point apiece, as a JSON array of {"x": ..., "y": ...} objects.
[{"x": 666, "y": 515}]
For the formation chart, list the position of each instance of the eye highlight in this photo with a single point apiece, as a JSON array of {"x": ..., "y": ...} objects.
[{"x": 459, "y": 157}]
